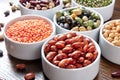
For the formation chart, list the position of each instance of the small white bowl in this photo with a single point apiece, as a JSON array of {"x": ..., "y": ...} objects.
[
  {"x": 49, "y": 13},
  {"x": 26, "y": 51},
  {"x": 92, "y": 33},
  {"x": 54, "y": 72},
  {"x": 106, "y": 11},
  {"x": 109, "y": 51}
]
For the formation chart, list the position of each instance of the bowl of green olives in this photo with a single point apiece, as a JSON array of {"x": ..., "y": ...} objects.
[
  {"x": 101, "y": 6},
  {"x": 80, "y": 20}
]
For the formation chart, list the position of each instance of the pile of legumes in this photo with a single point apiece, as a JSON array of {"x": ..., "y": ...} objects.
[
  {"x": 111, "y": 32},
  {"x": 94, "y": 3},
  {"x": 70, "y": 51},
  {"x": 28, "y": 31},
  {"x": 40, "y": 4},
  {"x": 78, "y": 19}
]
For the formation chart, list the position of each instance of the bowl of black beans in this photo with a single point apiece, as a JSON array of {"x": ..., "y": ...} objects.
[
  {"x": 80, "y": 20},
  {"x": 104, "y": 7},
  {"x": 45, "y": 8}
]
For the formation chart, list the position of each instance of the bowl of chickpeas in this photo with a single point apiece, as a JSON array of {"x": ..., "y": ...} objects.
[
  {"x": 79, "y": 20},
  {"x": 104, "y": 7},
  {"x": 109, "y": 41},
  {"x": 25, "y": 35},
  {"x": 45, "y": 8},
  {"x": 69, "y": 56}
]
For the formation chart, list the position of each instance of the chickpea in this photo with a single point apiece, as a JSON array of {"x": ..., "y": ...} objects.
[
  {"x": 112, "y": 35},
  {"x": 109, "y": 39},
  {"x": 105, "y": 35},
  {"x": 108, "y": 27}
]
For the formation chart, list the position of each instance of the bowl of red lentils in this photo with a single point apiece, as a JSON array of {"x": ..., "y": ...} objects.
[
  {"x": 45, "y": 8},
  {"x": 109, "y": 41},
  {"x": 69, "y": 56},
  {"x": 79, "y": 20},
  {"x": 25, "y": 35},
  {"x": 104, "y": 7}
]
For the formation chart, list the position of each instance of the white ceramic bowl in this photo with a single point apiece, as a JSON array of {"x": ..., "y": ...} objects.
[
  {"x": 85, "y": 73},
  {"x": 26, "y": 51},
  {"x": 109, "y": 51},
  {"x": 47, "y": 13},
  {"x": 106, "y": 11},
  {"x": 92, "y": 33}
]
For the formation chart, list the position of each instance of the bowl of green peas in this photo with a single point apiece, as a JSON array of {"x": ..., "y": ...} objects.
[
  {"x": 104, "y": 7},
  {"x": 80, "y": 20}
]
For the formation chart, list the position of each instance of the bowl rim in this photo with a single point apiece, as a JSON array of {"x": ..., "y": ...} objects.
[
  {"x": 19, "y": 3},
  {"x": 27, "y": 17},
  {"x": 113, "y": 2},
  {"x": 101, "y": 18},
  {"x": 83, "y": 68},
  {"x": 101, "y": 33}
]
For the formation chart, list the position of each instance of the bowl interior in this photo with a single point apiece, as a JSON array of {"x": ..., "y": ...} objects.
[{"x": 28, "y": 17}]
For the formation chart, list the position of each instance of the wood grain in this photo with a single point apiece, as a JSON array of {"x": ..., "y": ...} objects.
[{"x": 9, "y": 72}]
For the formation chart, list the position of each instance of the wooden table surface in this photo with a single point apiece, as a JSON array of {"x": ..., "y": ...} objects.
[{"x": 9, "y": 72}]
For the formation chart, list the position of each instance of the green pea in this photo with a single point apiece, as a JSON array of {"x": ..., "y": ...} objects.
[
  {"x": 88, "y": 23},
  {"x": 78, "y": 19}
]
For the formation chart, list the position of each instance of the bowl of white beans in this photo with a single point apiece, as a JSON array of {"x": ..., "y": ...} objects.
[
  {"x": 104, "y": 7},
  {"x": 109, "y": 41}
]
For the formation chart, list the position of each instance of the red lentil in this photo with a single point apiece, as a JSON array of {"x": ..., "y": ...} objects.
[{"x": 29, "y": 31}]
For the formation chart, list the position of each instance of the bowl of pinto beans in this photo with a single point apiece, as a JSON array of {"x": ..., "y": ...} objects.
[
  {"x": 25, "y": 35},
  {"x": 70, "y": 56}
]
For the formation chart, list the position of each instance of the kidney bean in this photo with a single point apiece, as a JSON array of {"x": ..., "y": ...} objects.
[
  {"x": 95, "y": 54},
  {"x": 64, "y": 62},
  {"x": 67, "y": 49},
  {"x": 50, "y": 56},
  {"x": 78, "y": 65},
  {"x": 51, "y": 42},
  {"x": 61, "y": 56},
  {"x": 47, "y": 48},
  {"x": 53, "y": 48},
  {"x": 60, "y": 44},
  {"x": 89, "y": 56},
  {"x": 91, "y": 49},
  {"x": 86, "y": 62},
  {"x": 30, "y": 76},
  {"x": 70, "y": 35},
  {"x": 115, "y": 74},
  {"x": 77, "y": 45},
  {"x": 62, "y": 37},
  {"x": 81, "y": 59},
  {"x": 85, "y": 48},
  {"x": 20, "y": 66},
  {"x": 75, "y": 54},
  {"x": 70, "y": 66}
]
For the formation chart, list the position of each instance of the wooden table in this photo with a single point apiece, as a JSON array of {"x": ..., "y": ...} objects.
[{"x": 9, "y": 72}]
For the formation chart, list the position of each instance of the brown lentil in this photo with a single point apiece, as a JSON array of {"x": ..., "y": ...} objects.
[{"x": 28, "y": 31}]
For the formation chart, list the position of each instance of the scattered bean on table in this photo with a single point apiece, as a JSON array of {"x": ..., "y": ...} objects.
[
  {"x": 94, "y": 3},
  {"x": 115, "y": 74},
  {"x": 78, "y": 19},
  {"x": 111, "y": 32},
  {"x": 30, "y": 76},
  {"x": 20, "y": 67},
  {"x": 28, "y": 31},
  {"x": 1, "y": 53},
  {"x": 70, "y": 51},
  {"x": 40, "y": 4}
]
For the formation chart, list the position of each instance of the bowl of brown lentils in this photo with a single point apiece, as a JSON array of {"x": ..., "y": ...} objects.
[
  {"x": 104, "y": 7},
  {"x": 109, "y": 41},
  {"x": 79, "y": 20},
  {"x": 70, "y": 56},
  {"x": 45, "y": 8}
]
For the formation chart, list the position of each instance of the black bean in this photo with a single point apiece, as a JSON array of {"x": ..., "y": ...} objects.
[
  {"x": 7, "y": 13},
  {"x": 1, "y": 53},
  {"x": 66, "y": 26},
  {"x": 61, "y": 24},
  {"x": 68, "y": 19},
  {"x": 62, "y": 19}
]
